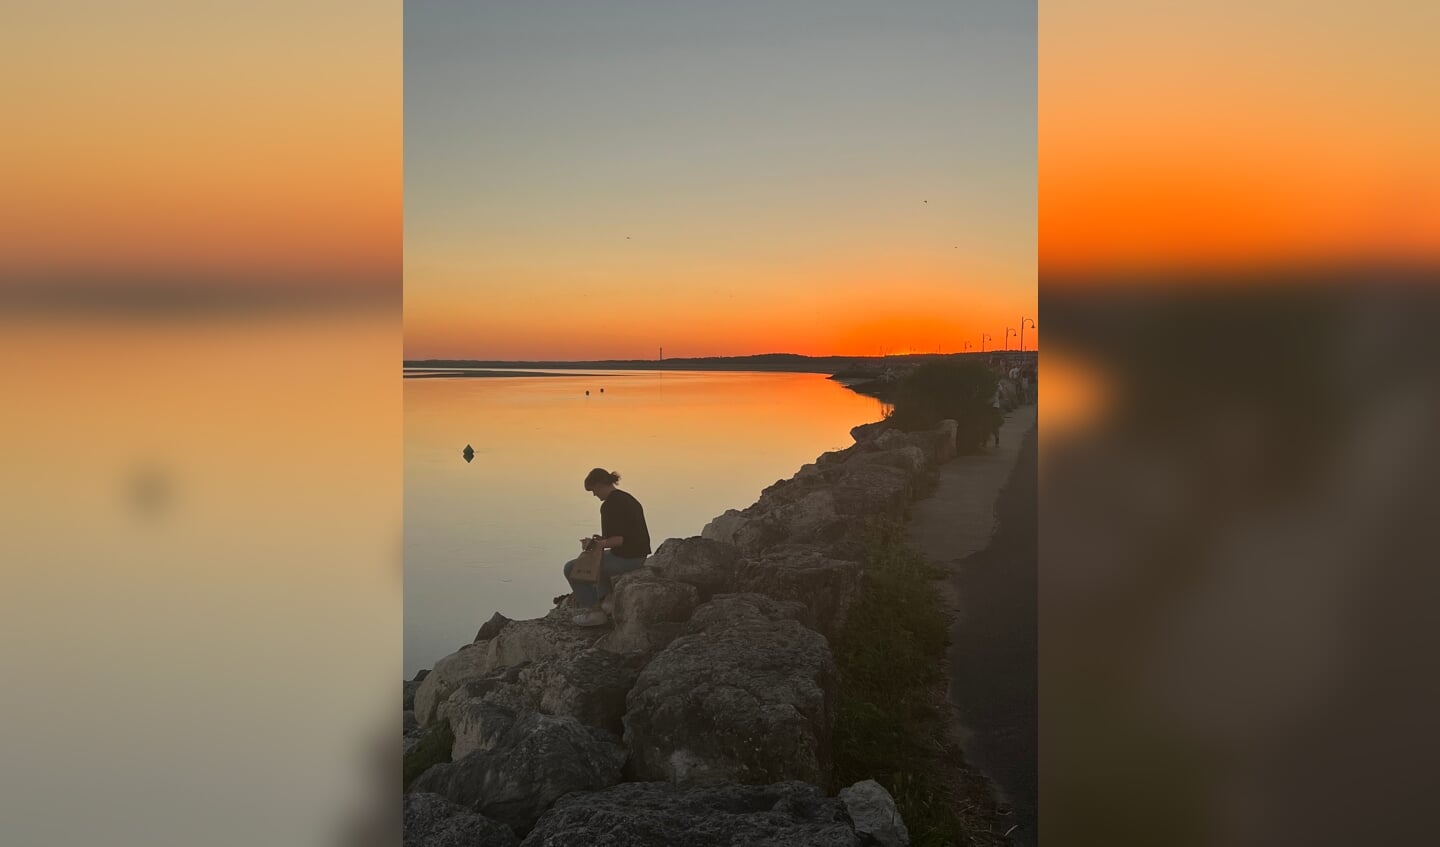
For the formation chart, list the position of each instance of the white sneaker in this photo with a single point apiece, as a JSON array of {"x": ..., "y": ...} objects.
[
  {"x": 608, "y": 604},
  {"x": 594, "y": 617}
]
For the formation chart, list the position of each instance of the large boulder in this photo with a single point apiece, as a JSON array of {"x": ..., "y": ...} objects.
[
  {"x": 906, "y": 457},
  {"x": 864, "y": 490},
  {"x": 644, "y": 814},
  {"x": 726, "y": 609},
  {"x": 937, "y": 443},
  {"x": 538, "y": 759},
  {"x": 813, "y": 517},
  {"x": 589, "y": 686},
  {"x": 740, "y": 699},
  {"x": 705, "y": 563},
  {"x": 432, "y": 821},
  {"x": 515, "y": 644},
  {"x": 466, "y": 663},
  {"x": 825, "y": 586},
  {"x": 649, "y": 606},
  {"x": 478, "y": 725}
]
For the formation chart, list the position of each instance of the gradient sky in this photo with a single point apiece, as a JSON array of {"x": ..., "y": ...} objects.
[
  {"x": 1231, "y": 134},
  {"x": 596, "y": 180},
  {"x": 249, "y": 141}
]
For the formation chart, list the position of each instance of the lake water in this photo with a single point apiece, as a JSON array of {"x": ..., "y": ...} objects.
[{"x": 491, "y": 535}]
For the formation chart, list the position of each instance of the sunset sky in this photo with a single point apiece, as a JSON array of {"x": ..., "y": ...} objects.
[
  {"x": 1232, "y": 134},
  {"x": 590, "y": 180},
  {"x": 253, "y": 144}
]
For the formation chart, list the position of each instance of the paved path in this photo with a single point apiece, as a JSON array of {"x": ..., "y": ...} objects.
[{"x": 991, "y": 593}]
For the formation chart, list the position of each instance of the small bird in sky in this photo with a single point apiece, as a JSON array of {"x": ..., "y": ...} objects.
[{"x": 925, "y": 201}]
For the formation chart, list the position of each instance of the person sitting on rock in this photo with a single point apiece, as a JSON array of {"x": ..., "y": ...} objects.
[{"x": 624, "y": 539}]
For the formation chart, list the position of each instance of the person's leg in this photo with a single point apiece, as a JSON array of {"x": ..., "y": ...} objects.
[
  {"x": 612, "y": 566},
  {"x": 585, "y": 594}
]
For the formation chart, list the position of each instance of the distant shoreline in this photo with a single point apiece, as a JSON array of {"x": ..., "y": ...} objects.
[{"x": 767, "y": 362}]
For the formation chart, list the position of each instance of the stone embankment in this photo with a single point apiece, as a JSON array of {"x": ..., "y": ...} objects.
[{"x": 703, "y": 716}]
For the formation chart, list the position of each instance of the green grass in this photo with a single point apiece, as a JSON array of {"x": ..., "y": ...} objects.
[{"x": 889, "y": 723}]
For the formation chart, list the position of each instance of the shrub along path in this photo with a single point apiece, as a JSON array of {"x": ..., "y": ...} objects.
[{"x": 990, "y": 593}]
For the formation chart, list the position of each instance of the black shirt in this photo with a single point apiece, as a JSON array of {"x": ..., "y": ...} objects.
[{"x": 621, "y": 514}]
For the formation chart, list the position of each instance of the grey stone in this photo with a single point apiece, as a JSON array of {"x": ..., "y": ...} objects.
[
  {"x": 873, "y": 812},
  {"x": 649, "y": 814},
  {"x": 740, "y": 699},
  {"x": 537, "y": 760},
  {"x": 432, "y": 821},
  {"x": 517, "y": 643},
  {"x": 706, "y": 563},
  {"x": 826, "y": 587},
  {"x": 589, "y": 685},
  {"x": 649, "y": 604}
]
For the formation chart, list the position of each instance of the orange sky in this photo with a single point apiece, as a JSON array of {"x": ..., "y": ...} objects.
[
  {"x": 594, "y": 182},
  {"x": 1235, "y": 134},
  {"x": 244, "y": 140}
]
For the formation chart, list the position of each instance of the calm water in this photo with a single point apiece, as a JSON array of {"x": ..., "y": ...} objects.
[{"x": 492, "y": 534}]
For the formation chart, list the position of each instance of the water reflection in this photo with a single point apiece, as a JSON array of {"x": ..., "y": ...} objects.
[{"x": 689, "y": 445}]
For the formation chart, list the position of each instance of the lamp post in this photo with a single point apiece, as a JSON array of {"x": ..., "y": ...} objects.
[
  {"x": 984, "y": 337},
  {"x": 1008, "y": 332},
  {"x": 1022, "y": 331}
]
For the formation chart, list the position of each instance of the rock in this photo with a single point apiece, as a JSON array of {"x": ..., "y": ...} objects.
[
  {"x": 478, "y": 725},
  {"x": 871, "y": 490},
  {"x": 938, "y": 443},
  {"x": 724, "y": 528},
  {"x": 432, "y": 821},
  {"x": 647, "y": 610},
  {"x": 515, "y": 644},
  {"x": 740, "y": 699},
  {"x": 589, "y": 686},
  {"x": 643, "y": 814},
  {"x": 873, "y": 812},
  {"x": 411, "y": 686},
  {"x": 533, "y": 640},
  {"x": 811, "y": 518},
  {"x": 497, "y": 686},
  {"x": 534, "y": 762},
  {"x": 466, "y": 663},
  {"x": 826, "y": 587},
  {"x": 908, "y": 458},
  {"x": 869, "y": 431},
  {"x": 421, "y": 674},
  {"x": 492, "y": 627},
  {"x": 411, "y": 734},
  {"x": 726, "y": 609},
  {"x": 706, "y": 563}
]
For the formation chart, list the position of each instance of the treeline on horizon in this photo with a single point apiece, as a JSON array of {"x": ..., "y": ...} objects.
[{"x": 776, "y": 361}]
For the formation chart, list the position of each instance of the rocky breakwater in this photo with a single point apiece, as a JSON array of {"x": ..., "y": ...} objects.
[{"x": 703, "y": 714}]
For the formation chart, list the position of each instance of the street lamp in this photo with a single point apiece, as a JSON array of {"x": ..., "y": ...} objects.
[
  {"x": 1022, "y": 331},
  {"x": 1008, "y": 332},
  {"x": 984, "y": 337}
]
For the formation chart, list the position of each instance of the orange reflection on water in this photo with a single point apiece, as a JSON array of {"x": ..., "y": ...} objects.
[{"x": 492, "y": 534}]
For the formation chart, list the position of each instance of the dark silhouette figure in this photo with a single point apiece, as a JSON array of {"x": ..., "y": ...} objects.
[{"x": 468, "y": 453}]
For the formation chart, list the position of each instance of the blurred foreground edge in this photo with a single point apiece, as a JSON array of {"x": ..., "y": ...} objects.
[{"x": 1237, "y": 552}]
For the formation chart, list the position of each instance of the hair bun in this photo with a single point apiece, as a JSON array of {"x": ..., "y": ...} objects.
[{"x": 614, "y": 477}]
